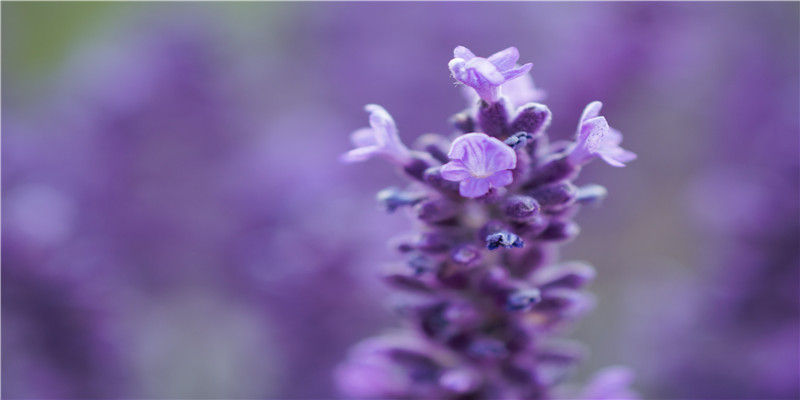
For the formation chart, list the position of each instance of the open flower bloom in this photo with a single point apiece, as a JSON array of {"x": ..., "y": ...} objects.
[
  {"x": 595, "y": 138},
  {"x": 479, "y": 162},
  {"x": 485, "y": 75},
  {"x": 379, "y": 139}
]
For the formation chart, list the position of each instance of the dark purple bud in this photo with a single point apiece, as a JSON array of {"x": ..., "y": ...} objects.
[
  {"x": 463, "y": 122},
  {"x": 422, "y": 264},
  {"x": 404, "y": 243},
  {"x": 520, "y": 208},
  {"x": 417, "y": 167},
  {"x": 407, "y": 282},
  {"x": 433, "y": 242},
  {"x": 560, "y": 301},
  {"x": 487, "y": 348},
  {"x": 453, "y": 276},
  {"x": 503, "y": 239},
  {"x": 393, "y": 198},
  {"x": 522, "y": 263},
  {"x": 523, "y": 300},
  {"x": 436, "y": 210},
  {"x": 591, "y": 194},
  {"x": 433, "y": 177},
  {"x": 518, "y": 140},
  {"x": 493, "y": 118},
  {"x": 557, "y": 169},
  {"x": 573, "y": 275},
  {"x": 559, "y": 194},
  {"x": 466, "y": 255},
  {"x": 436, "y": 145},
  {"x": 559, "y": 231},
  {"x": 532, "y": 118},
  {"x": 495, "y": 283},
  {"x": 532, "y": 227}
]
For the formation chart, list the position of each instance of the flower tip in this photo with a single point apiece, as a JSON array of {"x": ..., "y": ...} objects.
[{"x": 463, "y": 53}]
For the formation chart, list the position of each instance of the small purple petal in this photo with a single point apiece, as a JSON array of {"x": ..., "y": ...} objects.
[
  {"x": 363, "y": 137},
  {"x": 473, "y": 187},
  {"x": 500, "y": 178},
  {"x": 463, "y": 53},
  {"x": 359, "y": 154},
  {"x": 510, "y": 74},
  {"x": 486, "y": 75},
  {"x": 505, "y": 59},
  {"x": 592, "y": 110},
  {"x": 455, "y": 171},
  {"x": 592, "y": 133},
  {"x": 481, "y": 68},
  {"x": 499, "y": 156}
]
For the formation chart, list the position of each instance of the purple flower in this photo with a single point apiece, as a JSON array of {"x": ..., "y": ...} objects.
[
  {"x": 595, "y": 138},
  {"x": 479, "y": 162},
  {"x": 485, "y": 75},
  {"x": 479, "y": 325},
  {"x": 379, "y": 139}
]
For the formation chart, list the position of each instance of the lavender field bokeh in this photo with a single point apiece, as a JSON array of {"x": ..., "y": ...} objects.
[{"x": 176, "y": 223}]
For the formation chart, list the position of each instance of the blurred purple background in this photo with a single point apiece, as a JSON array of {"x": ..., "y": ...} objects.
[{"x": 176, "y": 224}]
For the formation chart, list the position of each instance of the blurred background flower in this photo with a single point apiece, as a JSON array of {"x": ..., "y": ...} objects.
[{"x": 176, "y": 223}]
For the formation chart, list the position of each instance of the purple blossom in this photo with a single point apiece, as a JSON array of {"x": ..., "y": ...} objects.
[
  {"x": 595, "y": 138},
  {"x": 379, "y": 139},
  {"x": 486, "y": 75},
  {"x": 480, "y": 325},
  {"x": 479, "y": 162}
]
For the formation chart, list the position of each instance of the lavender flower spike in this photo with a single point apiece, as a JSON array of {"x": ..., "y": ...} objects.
[
  {"x": 379, "y": 139},
  {"x": 487, "y": 295},
  {"x": 479, "y": 162},
  {"x": 595, "y": 138},
  {"x": 485, "y": 75}
]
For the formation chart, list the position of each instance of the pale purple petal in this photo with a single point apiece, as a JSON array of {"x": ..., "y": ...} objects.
[
  {"x": 617, "y": 156},
  {"x": 505, "y": 59},
  {"x": 473, "y": 187},
  {"x": 522, "y": 91},
  {"x": 463, "y": 53},
  {"x": 593, "y": 131},
  {"x": 612, "y": 138},
  {"x": 516, "y": 72},
  {"x": 360, "y": 154},
  {"x": 500, "y": 179},
  {"x": 485, "y": 75},
  {"x": 363, "y": 137},
  {"x": 499, "y": 156},
  {"x": 383, "y": 124},
  {"x": 592, "y": 110},
  {"x": 481, "y": 68},
  {"x": 468, "y": 149},
  {"x": 380, "y": 139},
  {"x": 455, "y": 171}
]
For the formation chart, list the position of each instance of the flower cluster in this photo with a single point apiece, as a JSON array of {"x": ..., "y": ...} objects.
[{"x": 481, "y": 290}]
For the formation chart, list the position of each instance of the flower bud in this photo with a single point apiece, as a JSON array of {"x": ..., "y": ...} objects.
[
  {"x": 493, "y": 118},
  {"x": 520, "y": 208},
  {"x": 591, "y": 194},
  {"x": 560, "y": 231},
  {"x": 522, "y": 300},
  {"x": 532, "y": 118},
  {"x": 557, "y": 195},
  {"x": 436, "y": 210}
]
